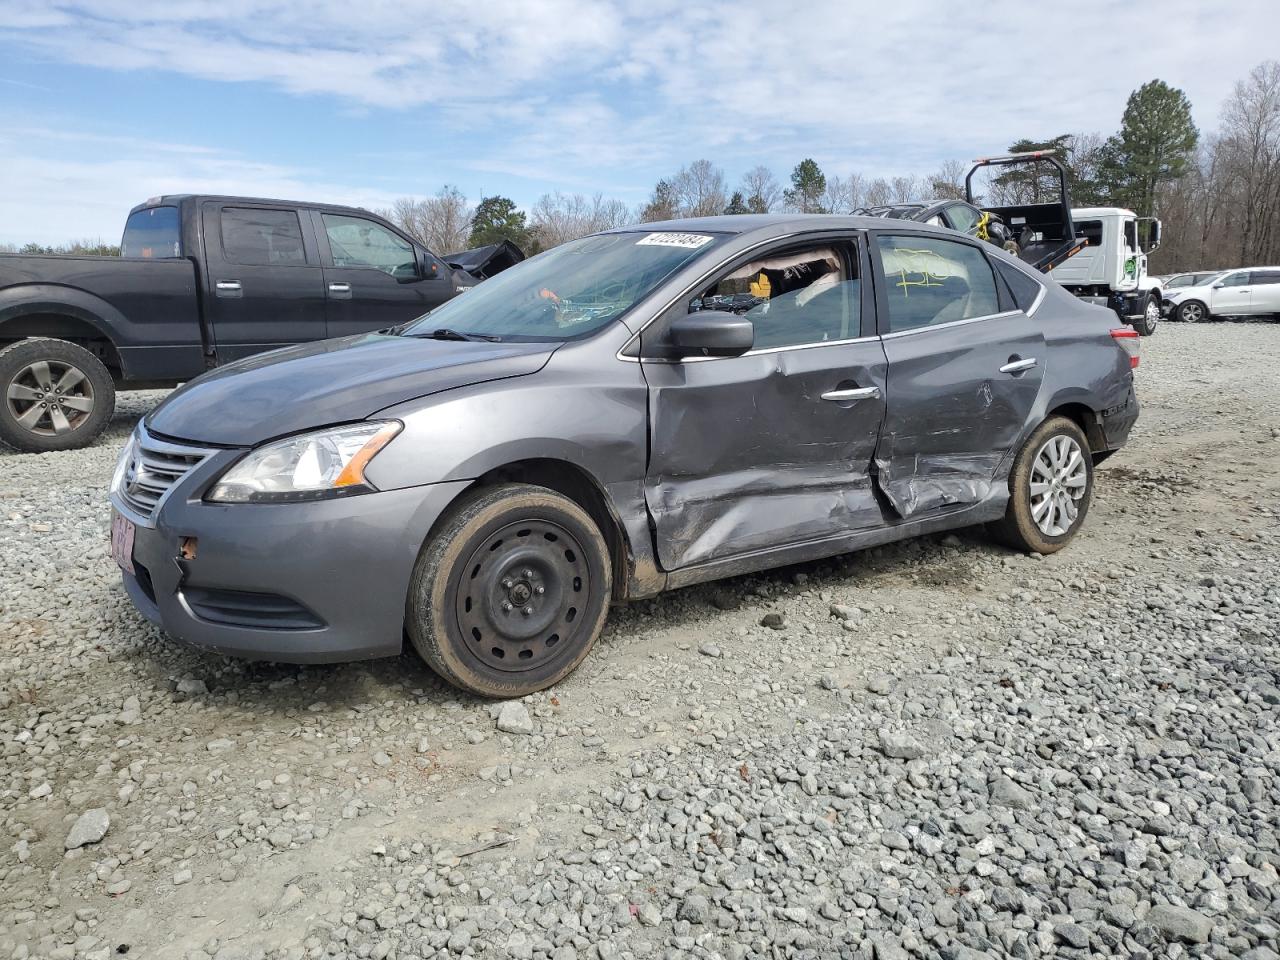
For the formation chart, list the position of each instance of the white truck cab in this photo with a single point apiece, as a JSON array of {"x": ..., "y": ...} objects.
[{"x": 1112, "y": 267}]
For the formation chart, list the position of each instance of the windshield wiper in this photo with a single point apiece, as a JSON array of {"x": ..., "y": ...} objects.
[{"x": 444, "y": 333}]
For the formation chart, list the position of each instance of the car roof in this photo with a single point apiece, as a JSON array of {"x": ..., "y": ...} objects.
[
  {"x": 767, "y": 225},
  {"x": 173, "y": 199}
]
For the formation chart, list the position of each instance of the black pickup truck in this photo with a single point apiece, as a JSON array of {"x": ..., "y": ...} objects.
[{"x": 201, "y": 281}]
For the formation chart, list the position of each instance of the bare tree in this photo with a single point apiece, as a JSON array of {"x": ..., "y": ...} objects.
[
  {"x": 905, "y": 189},
  {"x": 442, "y": 223},
  {"x": 558, "y": 217},
  {"x": 878, "y": 193},
  {"x": 842, "y": 194},
  {"x": 761, "y": 189},
  {"x": 699, "y": 189},
  {"x": 948, "y": 182}
]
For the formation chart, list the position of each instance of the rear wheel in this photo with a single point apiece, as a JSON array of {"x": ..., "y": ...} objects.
[
  {"x": 1193, "y": 311},
  {"x": 510, "y": 594},
  {"x": 1050, "y": 488},
  {"x": 57, "y": 396},
  {"x": 1146, "y": 325}
]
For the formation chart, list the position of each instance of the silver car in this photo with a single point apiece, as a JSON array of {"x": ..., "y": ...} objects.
[{"x": 628, "y": 413}]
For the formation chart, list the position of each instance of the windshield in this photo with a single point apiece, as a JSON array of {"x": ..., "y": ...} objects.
[
  {"x": 152, "y": 232},
  {"x": 570, "y": 291}
]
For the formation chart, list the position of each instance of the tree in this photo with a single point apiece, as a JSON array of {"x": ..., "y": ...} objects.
[
  {"x": 1080, "y": 153},
  {"x": 442, "y": 223},
  {"x": 1250, "y": 141},
  {"x": 558, "y": 218},
  {"x": 948, "y": 182},
  {"x": 807, "y": 186},
  {"x": 879, "y": 193},
  {"x": 737, "y": 204},
  {"x": 1156, "y": 142},
  {"x": 662, "y": 204},
  {"x": 497, "y": 219},
  {"x": 761, "y": 189},
  {"x": 699, "y": 189}
]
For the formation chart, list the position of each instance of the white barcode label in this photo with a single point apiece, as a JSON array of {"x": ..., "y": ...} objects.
[{"x": 690, "y": 241}]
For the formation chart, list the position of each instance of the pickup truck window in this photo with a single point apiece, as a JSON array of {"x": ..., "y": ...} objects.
[
  {"x": 152, "y": 232},
  {"x": 354, "y": 242},
  {"x": 255, "y": 236}
]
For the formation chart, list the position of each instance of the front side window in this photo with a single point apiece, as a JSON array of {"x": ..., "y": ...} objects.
[
  {"x": 569, "y": 291},
  {"x": 255, "y": 236},
  {"x": 154, "y": 232},
  {"x": 1235, "y": 280},
  {"x": 932, "y": 281},
  {"x": 962, "y": 217},
  {"x": 355, "y": 242},
  {"x": 802, "y": 296}
]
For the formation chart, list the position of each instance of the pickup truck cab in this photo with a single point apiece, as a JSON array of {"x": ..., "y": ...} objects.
[{"x": 202, "y": 281}]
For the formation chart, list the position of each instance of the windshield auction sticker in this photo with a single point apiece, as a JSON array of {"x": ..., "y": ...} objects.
[{"x": 690, "y": 241}]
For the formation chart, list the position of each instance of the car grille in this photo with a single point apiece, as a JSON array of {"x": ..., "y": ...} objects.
[{"x": 154, "y": 467}]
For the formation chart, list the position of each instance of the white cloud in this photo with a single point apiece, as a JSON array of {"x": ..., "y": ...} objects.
[{"x": 590, "y": 94}]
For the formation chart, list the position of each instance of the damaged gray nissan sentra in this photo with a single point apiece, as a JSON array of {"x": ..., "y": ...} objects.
[{"x": 627, "y": 413}]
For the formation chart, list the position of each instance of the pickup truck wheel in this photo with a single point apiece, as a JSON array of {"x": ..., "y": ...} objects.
[
  {"x": 511, "y": 591},
  {"x": 1050, "y": 488},
  {"x": 1192, "y": 311},
  {"x": 57, "y": 396},
  {"x": 1146, "y": 326}
]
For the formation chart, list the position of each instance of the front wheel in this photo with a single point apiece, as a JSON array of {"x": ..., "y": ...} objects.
[
  {"x": 1146, "y": 324},
  {"x": 510, "y": 594},
  {"x": 57, "y": 396},
  {"x": 1193, "y": 311},
  {"x": 1050, "y": 488}
]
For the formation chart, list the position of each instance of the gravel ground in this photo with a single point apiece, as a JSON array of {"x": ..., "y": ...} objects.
[{"x": 934, "y": 749}]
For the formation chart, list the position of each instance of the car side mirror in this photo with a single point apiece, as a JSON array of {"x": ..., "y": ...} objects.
[
  {"x": 1218, "y": 286},
  {"x": 712, "y": 333}
]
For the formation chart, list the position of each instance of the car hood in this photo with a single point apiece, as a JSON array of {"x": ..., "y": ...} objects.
[{"x": 331, "y": 381}]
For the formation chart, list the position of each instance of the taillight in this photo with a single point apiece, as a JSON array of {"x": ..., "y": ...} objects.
[{"x": 1127, "y": 339}]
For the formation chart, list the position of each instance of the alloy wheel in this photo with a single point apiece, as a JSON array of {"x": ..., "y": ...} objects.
[
  {"x": 1193, "y": 313},
  {"x": 522, "y": 596},
  {"x": 1153, "y": 314},
  {"x": 1059, "y": 478},
  {"x": 50, "y": 398}
]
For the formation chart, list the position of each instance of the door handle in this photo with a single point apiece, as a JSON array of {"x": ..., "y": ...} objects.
[
  {"x": 227, "y": 289},
  {"x": 339, "y": 290},
  {"x": 855, "y": 393},
  {"x": 1018, "y": 366}
]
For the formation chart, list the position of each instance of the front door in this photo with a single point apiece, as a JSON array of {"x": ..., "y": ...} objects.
[
  {"x": 965, "y": 367},
  {"x": 375, "y": 278},
  {"x": 1233, "y": 295},
  {"x": 773, "y": 447},
  {"x": 264, "y": 284}
]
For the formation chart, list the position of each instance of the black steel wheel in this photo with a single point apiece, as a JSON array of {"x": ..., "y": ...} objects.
[
  {"x": 57, "y": 395},
  {"x": 509, "y": 596}
]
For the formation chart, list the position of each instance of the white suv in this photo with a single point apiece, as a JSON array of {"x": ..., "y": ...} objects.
[{"x": 1231, "y": 294}]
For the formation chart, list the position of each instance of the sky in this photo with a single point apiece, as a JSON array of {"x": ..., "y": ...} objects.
[{"x": 107, "y": 102}]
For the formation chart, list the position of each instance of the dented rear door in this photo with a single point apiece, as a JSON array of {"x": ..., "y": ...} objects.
[
  {"x": 772, "y": 448},
  {"x": 963, "y": 374}
]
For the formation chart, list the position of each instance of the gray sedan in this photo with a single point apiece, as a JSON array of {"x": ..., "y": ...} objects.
[{"x": 624, "y": 414}]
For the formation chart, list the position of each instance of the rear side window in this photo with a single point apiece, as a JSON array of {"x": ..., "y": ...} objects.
[
  {"x": 1261, "y": 277},
  {"x": 933, "y": 281},
  {"x": 1024, "y": 289},
  {"x": 154, "y": 233},
  {"x": 262, "y": 237}
]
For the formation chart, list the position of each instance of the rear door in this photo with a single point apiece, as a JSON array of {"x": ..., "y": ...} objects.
[
  {"x": 1233, "y": 295},
  {"x": 774, "y": 447},
  {"x": 965, "y": 367},
  {"x": 1265, "y": 285},
  {"x": 264, "y": 287},
  {"x": 374, "y": 277}
]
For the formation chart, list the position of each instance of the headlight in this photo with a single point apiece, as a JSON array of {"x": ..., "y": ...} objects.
[
  {"x": 122, "y": 465},
  {"x": 313, "y": 466}
]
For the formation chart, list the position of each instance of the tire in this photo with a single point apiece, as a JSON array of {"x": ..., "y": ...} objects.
[
  {"x": 1146, "y": 324},
  {"x": 57, "y": 396},
  {"x": 1021, "y": 526},
  {"x": 1193, "y": 311},
  {"x": 510, "y": 593}
]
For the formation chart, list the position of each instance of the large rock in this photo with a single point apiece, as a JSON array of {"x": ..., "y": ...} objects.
[
  {"x": 900, "y": 746},
  {"x": 514, "y": 718},
  {"x": 90, "y": 828},
  {"x": 1008, "y": 794},
  {"x": 1180, "y": 923}
]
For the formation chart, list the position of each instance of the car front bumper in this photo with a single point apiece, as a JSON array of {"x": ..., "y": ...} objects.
[{"x": 316, "y": 582}]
